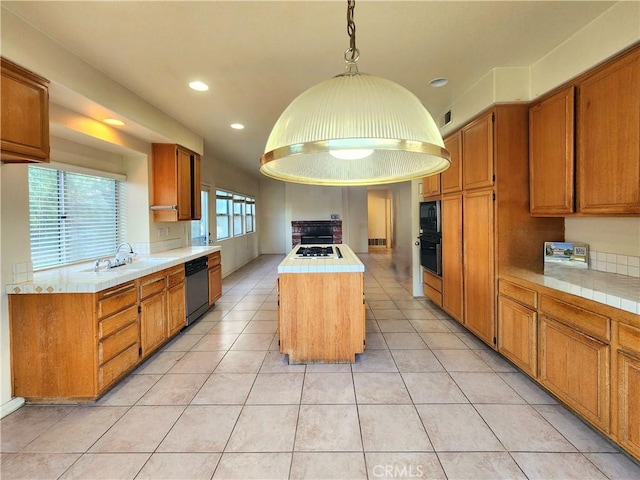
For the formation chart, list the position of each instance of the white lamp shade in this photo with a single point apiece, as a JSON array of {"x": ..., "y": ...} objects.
[{"x": 354, "y": 111}]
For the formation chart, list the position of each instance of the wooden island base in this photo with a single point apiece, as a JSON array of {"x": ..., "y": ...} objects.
[{"x": 321, "y": 316}]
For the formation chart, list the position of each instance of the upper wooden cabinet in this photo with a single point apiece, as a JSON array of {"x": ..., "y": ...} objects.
[
  {"x": 477, "y": 153},
  {"x": 431, "y": 186},
  {"x": 24, "y": 107},
  {"x": 551, "y": 154},
  {"x": 176, "y": 183},
  {"x": 609, "y": 139},
  {"x": 584, "y": 144},
  {"x": 451, "y": 178}
]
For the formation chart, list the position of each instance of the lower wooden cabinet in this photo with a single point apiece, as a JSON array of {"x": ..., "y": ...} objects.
[
  {"x": 432, "y": 287},
  {"x": 152, "y": 322},
  {"x": 574, "y": 359},
  {"x": 452, "y": 274},
  {"x": 215, "y": 278},
  {"x": 479, "y": 265},
  {"x": 176, "y": 308},
  {"x": 628, "y": 391},
  {"x": 517, "y": 334},
  {"x": 162, "y": 307},
  {"x": 69, "y": 347}
]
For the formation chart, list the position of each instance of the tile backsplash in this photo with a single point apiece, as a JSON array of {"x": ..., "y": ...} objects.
[{"x": 613, "y": 263}]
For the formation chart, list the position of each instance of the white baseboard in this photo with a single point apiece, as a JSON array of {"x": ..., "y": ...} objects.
[{"x": 11, "y": 406}]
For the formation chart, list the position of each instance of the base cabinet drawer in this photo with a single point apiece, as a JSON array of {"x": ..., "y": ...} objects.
[
  {"x": 576, "y": 367},
  {"x": 517, "y": 334},
  {"x": 115, "y": 368},
  {"x": 118, "y": 342}
]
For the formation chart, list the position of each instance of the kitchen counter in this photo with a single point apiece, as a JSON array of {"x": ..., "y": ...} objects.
[
  {"x": 618, "y": 291},
  {"x": 348, "y": 263},
  {"x": 80, "y": 278}
]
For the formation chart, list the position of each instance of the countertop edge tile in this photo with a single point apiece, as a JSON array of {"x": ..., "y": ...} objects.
[{"x": 76, "y": 279}]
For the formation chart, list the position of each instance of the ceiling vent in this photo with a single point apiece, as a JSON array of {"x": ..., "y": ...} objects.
[{"x": 446, "y": 118}]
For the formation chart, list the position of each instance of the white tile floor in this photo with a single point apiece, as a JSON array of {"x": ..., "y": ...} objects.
[{"x": 426, "y": 400}]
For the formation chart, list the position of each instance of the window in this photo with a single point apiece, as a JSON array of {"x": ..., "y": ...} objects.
[
  {"x": 250, "y": 215},
  {"x": 223, "y": 214},
  {"x": 235, "y": 214},
  {"x": 73, "y": 217},
  {"x": 200, "y": 228},
  {"x": 238, "y": 215}
]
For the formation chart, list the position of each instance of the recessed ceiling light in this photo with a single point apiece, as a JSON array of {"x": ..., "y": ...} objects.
[
  {"x": 237, "y": 126},
  {"x": 114, "y": 122},
  {"x": 439, "y": 82},
  {"x": 199, "y": 86}
]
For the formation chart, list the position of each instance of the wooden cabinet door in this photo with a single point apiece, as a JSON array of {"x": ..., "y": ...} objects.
[
  {"x": 478, "y": 264},
  {"x": 431, "y": 186},
  {"x": 183, "y": 159},
  {"x": 629, "y": 402},
  {"x": 176, "y": 308},
  {"x": 477, "y": 153},
  {"x": 196, "y": 188},
  {"x": 609, "y": 139},
  {"x": 451, "y": 178},
  {"x": 517, "y": 334},
  {"x": 152, "y": 322},
  {"x": 24, "y": 110},
  {"x": 551, "y": 155},
  {"x": 215, "y": 284},
  {"x": 452, "y": 283},
  {"x": 575, "y": 367}
]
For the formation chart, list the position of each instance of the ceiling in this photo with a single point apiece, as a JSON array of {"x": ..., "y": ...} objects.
[{"x": 257, "y": 56}]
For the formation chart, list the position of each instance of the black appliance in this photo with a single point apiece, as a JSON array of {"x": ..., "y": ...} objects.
[
  {"x": 431, "y": 252},
  {"x": 430, "y": 217},
  {"x": 315, "y": 251},
  {"x": 197, "y": 286}
]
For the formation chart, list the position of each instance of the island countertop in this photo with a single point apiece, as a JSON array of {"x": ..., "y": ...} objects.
[
  {"x": 80, "y": 278},
  {"x": 348, "y": 263}
]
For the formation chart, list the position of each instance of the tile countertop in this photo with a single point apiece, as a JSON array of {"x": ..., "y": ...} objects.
[
  {"x": 348, "y": 263},
  {"x": 618, "y": 291},
  {"x": 80, "y": 278}
]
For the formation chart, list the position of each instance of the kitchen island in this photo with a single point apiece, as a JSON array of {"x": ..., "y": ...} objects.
[{"x": 321, "y": 312}]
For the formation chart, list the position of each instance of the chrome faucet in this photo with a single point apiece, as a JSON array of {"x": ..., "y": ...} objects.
[
  {"x": 99, "y": 261},
  {"x": 122, "y": 258}
]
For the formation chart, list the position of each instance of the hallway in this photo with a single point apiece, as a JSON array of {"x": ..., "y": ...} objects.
[{"x": 425, "y": 400}]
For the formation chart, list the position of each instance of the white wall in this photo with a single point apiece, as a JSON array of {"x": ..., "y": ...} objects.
[
  {"x": 405, "y": 215},
  {"x": 272, "y": 217}
]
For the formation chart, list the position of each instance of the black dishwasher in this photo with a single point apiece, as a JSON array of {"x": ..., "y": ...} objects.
[{"x": 197, "y": 280}]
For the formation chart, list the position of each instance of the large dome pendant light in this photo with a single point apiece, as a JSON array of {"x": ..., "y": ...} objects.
[{"x": 354, "y": 129}]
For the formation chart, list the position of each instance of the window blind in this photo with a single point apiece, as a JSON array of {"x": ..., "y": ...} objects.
[{"x": 73, "y": 217}]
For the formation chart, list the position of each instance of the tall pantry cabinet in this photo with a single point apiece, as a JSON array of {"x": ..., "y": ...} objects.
[{"x": 492, "y": 208}]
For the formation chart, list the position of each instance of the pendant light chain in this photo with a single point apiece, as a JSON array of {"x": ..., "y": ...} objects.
[{"x": 352, "y": 54}]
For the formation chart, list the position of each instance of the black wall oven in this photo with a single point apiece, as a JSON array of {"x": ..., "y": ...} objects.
[
  {"x": 431, "y": 237},
  {"x": 431, "y": 252}
]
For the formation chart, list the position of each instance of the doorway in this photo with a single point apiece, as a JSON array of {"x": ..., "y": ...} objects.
[{"x": 380, "y": 219}]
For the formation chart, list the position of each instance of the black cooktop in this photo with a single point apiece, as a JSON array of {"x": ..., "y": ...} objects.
[{"x": 315, "y": 251}]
